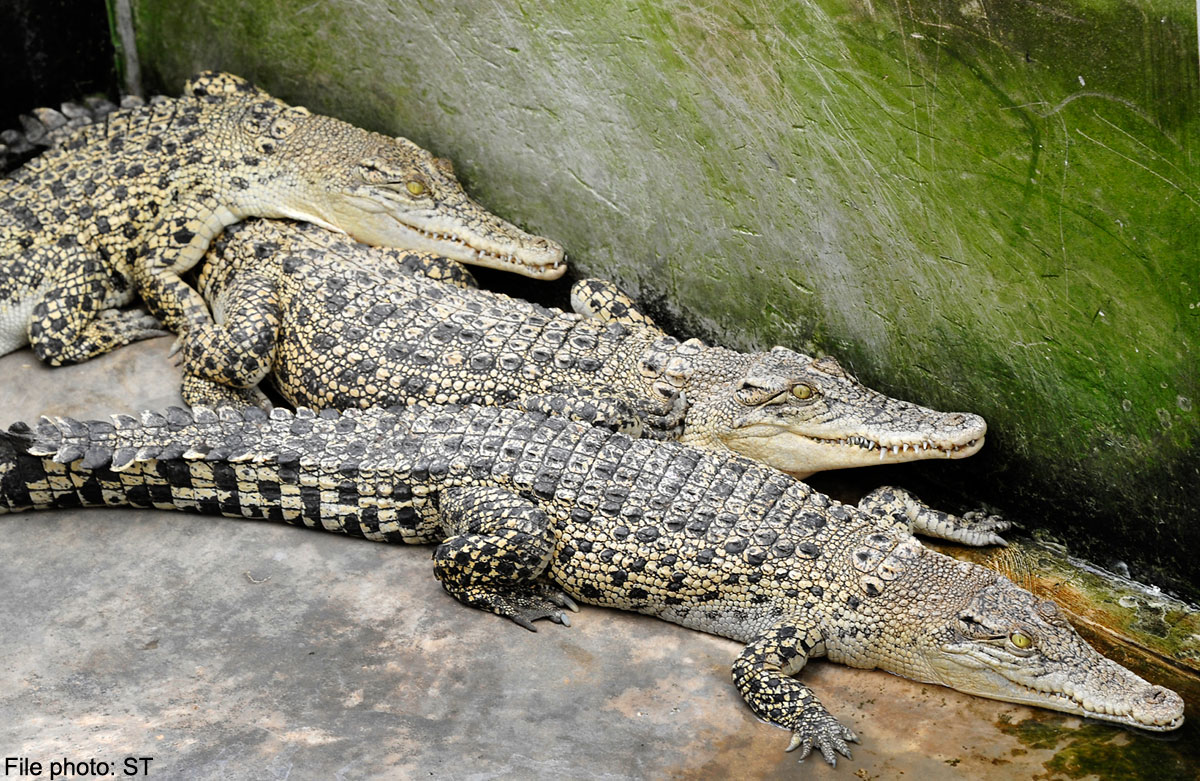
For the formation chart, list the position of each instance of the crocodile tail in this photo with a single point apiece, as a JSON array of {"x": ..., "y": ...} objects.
[
  {"x": 237, "y": 463},
  {"x": 215, "y": 84},
  {"x": 63, "y": 462},
  {"x": 19, "y": 468}
]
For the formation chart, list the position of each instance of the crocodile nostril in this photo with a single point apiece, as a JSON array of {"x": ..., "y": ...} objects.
[
  {"x": 1157, "y": 695},
  {"x": 954, "y": 419}
]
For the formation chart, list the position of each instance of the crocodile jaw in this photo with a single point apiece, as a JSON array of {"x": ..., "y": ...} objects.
[
  {"x": 1124, "y": 699},
  {"x": 802, "y": 454},
  {"x": 485, "y": 240}
]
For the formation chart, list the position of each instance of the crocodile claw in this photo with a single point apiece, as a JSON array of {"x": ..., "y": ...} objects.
[
  {"x": 525, "y": 618},
  {"x": 979, "y": 527},
  {"x": 542, "y": 602},
  {"x": 819, "y": 730}
]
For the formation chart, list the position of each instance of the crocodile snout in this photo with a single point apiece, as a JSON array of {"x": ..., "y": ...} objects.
[{"x": 1158, "y": 707}]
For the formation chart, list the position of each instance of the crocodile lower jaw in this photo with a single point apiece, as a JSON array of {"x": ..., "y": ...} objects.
[
  {"x": 925, "y": 449},
  {"x": 802, "y": 455},
  {"x": 375, "y": 226},
  {"x": 459, "y": 249},
  {"x": 1067, "y": 704}
]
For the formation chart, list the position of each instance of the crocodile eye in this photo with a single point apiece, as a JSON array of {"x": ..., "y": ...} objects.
[
  {"x": 415, "y": 187},
  {"x": 803, "y": 391},
  {"x": 1021, "y": 640},
  {"x": 755, "y": 396}
]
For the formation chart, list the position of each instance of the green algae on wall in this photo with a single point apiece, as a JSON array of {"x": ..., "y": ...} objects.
[{"x": 979, "y": 205}]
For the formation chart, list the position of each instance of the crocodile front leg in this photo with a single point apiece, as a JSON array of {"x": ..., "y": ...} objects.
[
  {"x": 223, "y": 362},
  {"x": 199, "y": 392},
  {"x": 602, "y": 300},
  {"x": 70, "y": 322},
  {"x": 498, "y": 546},
  {"x": 899, "y": 507},
  {"x": 440, "y": 269},
  {"x": 612, "y": 409},
  {"x": 238, "y": 350},
  {"x": 762, "y": 673},
  {"x": 177, "y": 242}
]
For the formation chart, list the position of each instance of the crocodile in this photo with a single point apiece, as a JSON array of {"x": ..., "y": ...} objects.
[
  {"x": 804, "y": 441},
  {"x": 531, "y": 514},
  {"x": 333, "y": 325},
  {"x": 128, "y": 202}
]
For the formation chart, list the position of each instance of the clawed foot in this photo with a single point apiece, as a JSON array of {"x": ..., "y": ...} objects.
[
  {"x": 137, "y": 323},
  {"x": 817, "y": 729},
  {"x": 542, "y": 600},
  {"x": 899, "y": 507},
  {"x": 174, "y": 354},
  {"x": 199, "y": 392},
  {"x": 976, "y": 528},
  {"x": 665, "y": 420}
]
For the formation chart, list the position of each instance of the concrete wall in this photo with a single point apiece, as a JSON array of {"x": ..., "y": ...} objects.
[{"x": 987, "y": 205}]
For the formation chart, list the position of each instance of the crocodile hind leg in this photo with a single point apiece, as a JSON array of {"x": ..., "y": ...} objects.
[
  {"x": 70, "y": 323},
  {"x": 899, "y": 507},
  {"x": 763, "y": 674},
  {"x": 602, "y": 300},
  {"x": 498, "y": 544},
  {"x": 437, "y": 268}
]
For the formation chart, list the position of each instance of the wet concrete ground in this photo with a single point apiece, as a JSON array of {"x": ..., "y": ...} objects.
[{"x": 244, "y": 650}]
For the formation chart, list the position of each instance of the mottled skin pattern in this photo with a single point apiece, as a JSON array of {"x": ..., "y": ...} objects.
[
  {"x": 333, "y": 328},
  {"x": 130, "y": 200},
  {"x": 531, "y": 513}
]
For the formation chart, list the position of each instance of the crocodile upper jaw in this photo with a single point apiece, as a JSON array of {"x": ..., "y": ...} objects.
[
  {"x": 497, "y": 244},
  {"x": 802, "y": 455},
  {"x": 1153, "y": 708}
]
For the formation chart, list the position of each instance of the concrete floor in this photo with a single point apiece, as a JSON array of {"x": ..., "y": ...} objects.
[{"x": 227, "y": 649}]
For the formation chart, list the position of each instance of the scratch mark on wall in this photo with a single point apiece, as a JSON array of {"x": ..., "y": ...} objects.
[
  {"x": 1129, "y": 104},
  {"x": 1062, "y": 194},
  {"x": 596, "y": 194},
  {"x": 1145, "y": 168}
]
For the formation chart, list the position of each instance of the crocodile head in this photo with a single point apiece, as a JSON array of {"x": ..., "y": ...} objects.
[
  {"x": 804, "y": 415},
  {"x": 384, "y": 191},
  {"x": 969, "y": 628}
]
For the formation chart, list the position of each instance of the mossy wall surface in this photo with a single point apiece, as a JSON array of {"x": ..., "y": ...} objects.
[{"x": 982, "y": 205}]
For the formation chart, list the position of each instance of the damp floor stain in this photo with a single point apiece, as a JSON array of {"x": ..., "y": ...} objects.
[{"x": 1095, "y": 750}]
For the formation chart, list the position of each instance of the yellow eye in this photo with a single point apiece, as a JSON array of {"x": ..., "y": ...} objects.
[
  {"x": 415, "y": 186},
  {"x": 1020, "y": 640},
  {"x": 802, "y": 391}
]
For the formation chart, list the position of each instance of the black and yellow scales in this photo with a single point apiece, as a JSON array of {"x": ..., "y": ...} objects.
[
  {"x": 127, "y": 203},
  {"x": 336, "y": 324},
  {"x": 531, "y": 513}
]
